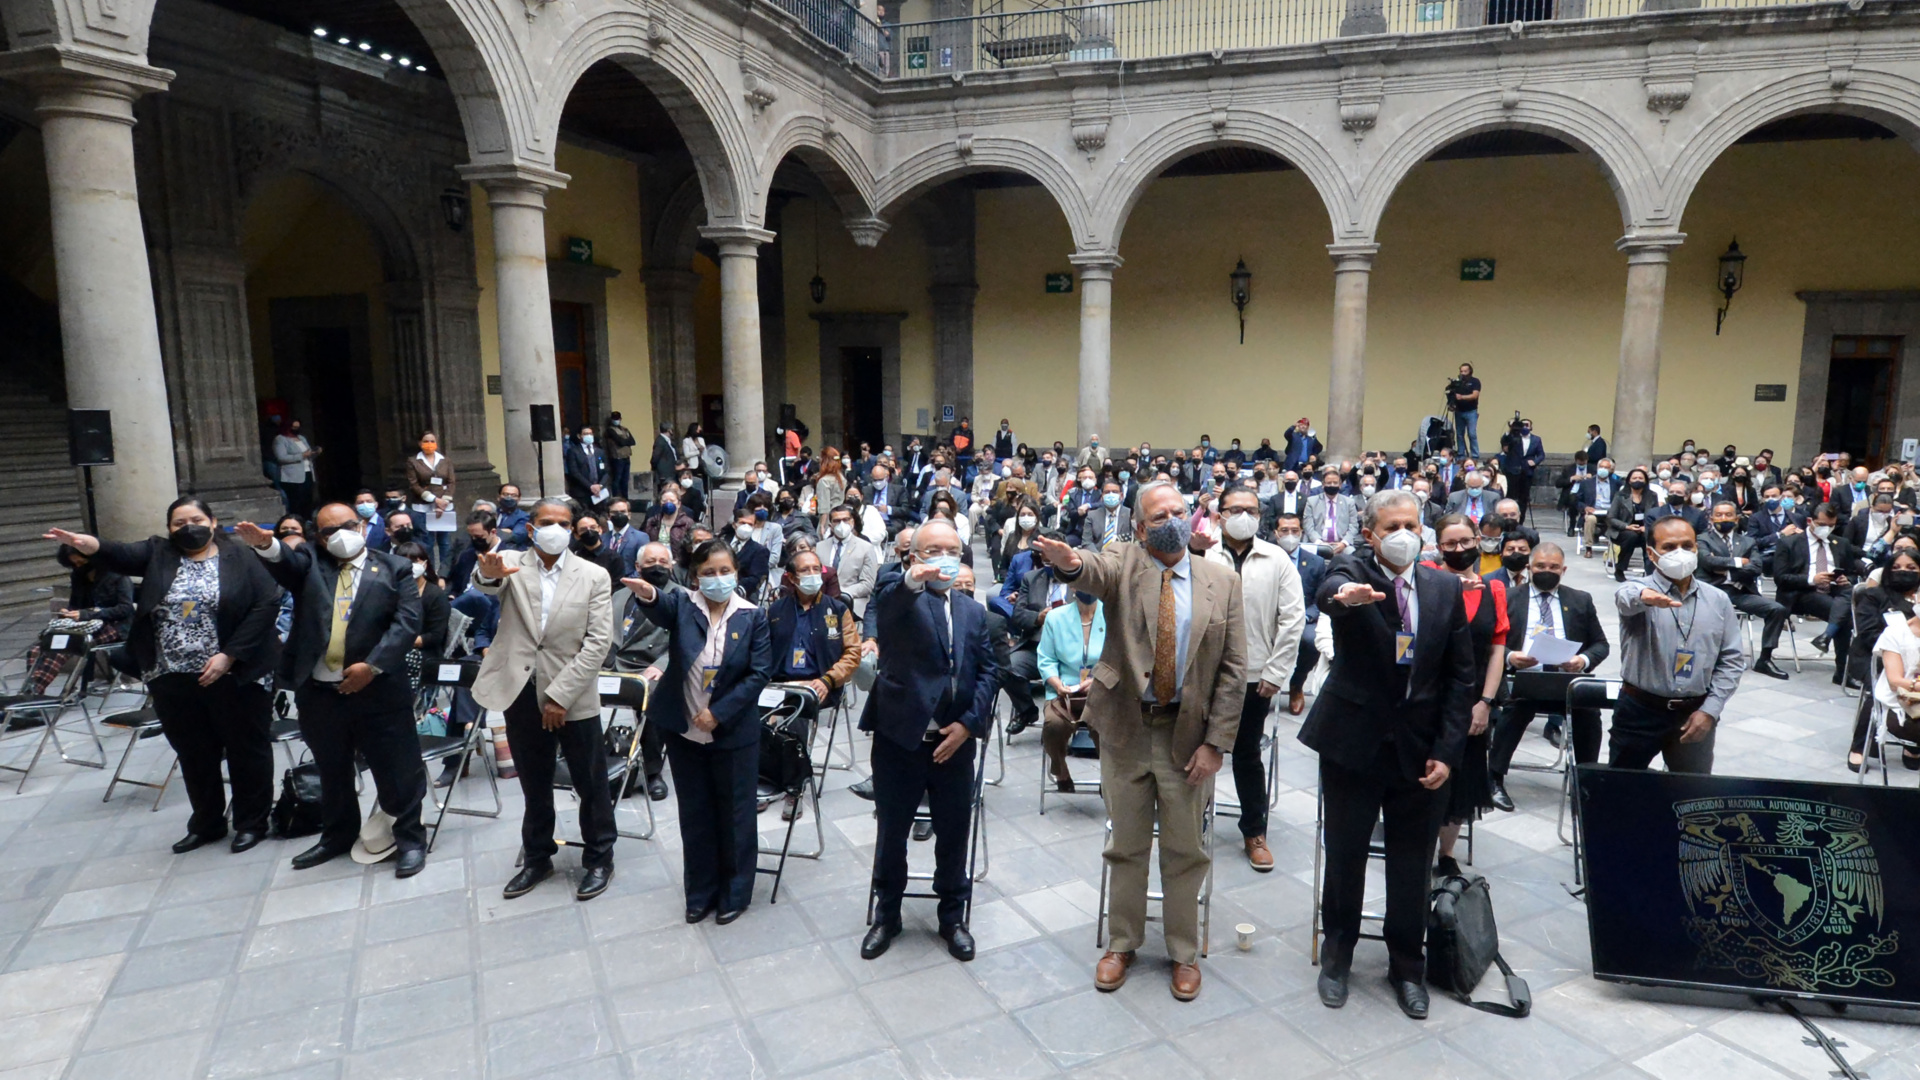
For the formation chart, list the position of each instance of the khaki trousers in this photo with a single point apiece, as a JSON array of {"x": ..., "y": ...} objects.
[{"x": 1136, "y": 787}]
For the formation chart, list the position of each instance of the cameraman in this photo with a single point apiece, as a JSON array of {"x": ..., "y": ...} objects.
[
  {"x": 1520, "y": 454},
  {"x": 1463, "y": 397}
]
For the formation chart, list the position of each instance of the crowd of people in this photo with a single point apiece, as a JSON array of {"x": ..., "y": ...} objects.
[{"x": 1164, "y": 602}]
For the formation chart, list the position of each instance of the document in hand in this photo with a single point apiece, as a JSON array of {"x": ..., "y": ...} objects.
[{"x": 1551, "y": 650}]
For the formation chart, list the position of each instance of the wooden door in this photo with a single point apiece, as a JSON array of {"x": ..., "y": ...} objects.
[
  {"x": 1862, "y": 383},
  {"x": 570, "y": 348}
]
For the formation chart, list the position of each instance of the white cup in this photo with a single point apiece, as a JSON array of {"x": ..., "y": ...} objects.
[{"x": 1245, "y": 932}]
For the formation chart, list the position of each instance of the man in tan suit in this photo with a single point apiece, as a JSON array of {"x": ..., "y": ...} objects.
[
  {"x": 1166, "y": 703},
  {"x": 542, "y": 671}
]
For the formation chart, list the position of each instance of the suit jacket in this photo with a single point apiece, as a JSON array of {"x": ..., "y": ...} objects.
[
  {"x": 859, "y": 569},
  {"x": 1581, "y": 622},
  {"x": 386, "y": 614},
  {"x": 1093, "y": 533},
  {"x": 1693, "y": 516},
  {"x": 249, "y": 604},
  {"x": 1300, "y": 447},
  {"x": 1460, "y": 501},
  {"x": 1596, "y": 449},
  {"x": 585, "y": 465},
  {"x": 421, "y": 488},
  {"x": 1620, "y": 514},
  {"x": 1313, "y": 569},
  {"x": 563, "y": 660},
  {"x": 1766, "y": 532},
  {"x": 834, "y": 642},
  {"x": 923, "y": 675},
  {"x": 746, "y": 666},
  {"x": 752, "y": 558},
  {"x": 1425, "y": 707},
  {"x": 1793, "y": 564},
  {"x": 1030, "y": 603},
  {"x": 1718, "y": 556},
  {"x": 665, "y": 455},
  {"x": 1346, "y": 522},
  {"x": 628, "y": 543},
  {"x": 1213, "y": 684},
  {"x": 1856, "y": 530},
  {"x": 1586, "y": 491}
]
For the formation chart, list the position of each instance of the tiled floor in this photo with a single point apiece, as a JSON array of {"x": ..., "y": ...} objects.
[{"x": 120, "y": 960}]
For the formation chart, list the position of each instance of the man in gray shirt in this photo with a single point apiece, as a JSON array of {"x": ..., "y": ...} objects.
[{"x": 1680, "y": 655}]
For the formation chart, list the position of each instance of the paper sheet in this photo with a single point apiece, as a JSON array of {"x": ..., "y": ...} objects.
[
  {"x": 440, "y": 521},
  {"x": 1551, "y": 650}
]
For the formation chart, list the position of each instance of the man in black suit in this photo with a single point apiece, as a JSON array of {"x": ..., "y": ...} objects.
[
  {"x": 355, "y": 615},
  {"x": 1596, "y": 446},
  {"x": 1780, "y": 516},
  {"x": 1390, "y": 724},
  {"x": 1873, "y": 531},
  {"x": 666, "y": 458},
  {"x": 1730, "y": 561},
  {"x": 1544, "y": 606},
  {"x": 586, "y": 468},
  {"x": 749, "y": 554},
  {"x": 1813, "y": 574}
]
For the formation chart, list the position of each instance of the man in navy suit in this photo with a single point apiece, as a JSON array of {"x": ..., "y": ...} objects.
[
  {"x": 1779, "y": 517},
  {"x": 1288, "y": 533},
  {"x": 749, "y": 554},
  {"x": 932, "y": 697}
]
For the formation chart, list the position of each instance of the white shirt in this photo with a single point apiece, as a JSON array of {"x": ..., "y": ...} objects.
[
  {"x": 1602, "y": 495},
  {"x": 549, "y": 583},
  {"x": 1534, "y": 625},
  {"x": 1413, "y": 594},
  {"x": 352, "y": 568}
]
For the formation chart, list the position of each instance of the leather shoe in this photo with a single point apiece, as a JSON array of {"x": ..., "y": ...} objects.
[
  {"x": 959, "y": 942},
  {"x": 1110, "y": 973},
  {"x": 316, "y": 855},
  {"x": 523, "y": 882},
  {"x": 923, "y": 830},
  {"x": 879, "y": 936},
  {"x": 1820, "y": 642},
  {"x": 1497, "y": 794},
  {"x": 1186, "y": 982},
  {"x": 412, "y": 861},
  {"x": 1767, "y": 667},
  {"x": 1062, "y": 779},
  {"x": 1332, "y": 984},
  {"x": 1019, "y": 724},
  {"x": 1412, "y": 997},
  {"x": 656, "y": 788},
  {"x": 726, "y": 917},
  {"x": 1297, "y": 702},
  {"x": 594, "y": 882},
  {"x": 245, "y": 841},
  {"x": 695, "y": 915},
  {"x": 863, "y": 789},
  {"x": 193, "y": 840},
  {"x": 1259, "y": 855}
]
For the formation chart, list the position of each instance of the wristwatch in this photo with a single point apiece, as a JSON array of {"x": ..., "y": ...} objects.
[{"x": 1485, "y": 700}]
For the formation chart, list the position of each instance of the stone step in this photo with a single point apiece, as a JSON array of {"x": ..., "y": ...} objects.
[{"x": 40, "y": 490}]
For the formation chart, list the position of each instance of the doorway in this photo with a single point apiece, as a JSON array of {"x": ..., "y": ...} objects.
[
  {"x": 571, "y": 344},
  {"x": 1861, "y": 389},
  {"x": 860, "y": 397},
  {"x": 326, "y": 354}
]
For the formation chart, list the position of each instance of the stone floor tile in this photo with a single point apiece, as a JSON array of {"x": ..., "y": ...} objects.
[
  {"x": 381, "y": 1020},
  {"x": 547, "y": 1042},
  {"x": 762, "y": 930},
  {"x": 61, "y": 944},
  {"x": 41, "y": 1036},
  {"x": 782, "y": 979},
  {"x": 922, "y": 1002},
  {"x": 297, "y": 1040},
  {"x": 57, "y": 986},
  {"x": 89, "y": 904},
  {"x": 293, "y": 987},
  {"x": 720, "y": 1051},
  {"x": 537, "y": 983},
  {"x": 1081, "y": 1027},
  {"x": 655, "y": 1012},
  {"x": 175, "y": 1058},
  {"x": 198, "y": 920},
  {"x": 409, "y": 918},
  {"x": 451, "y": 1055},
  {"x": 131, "y": 1019},
  {"x": 305, "y": 901},
  {"x": 425, "y": 958},
  {"x": 301, "y": 939},
  {"x": 813, "y": 1036},
  {"x": 1697, "y": 1055},
  {"x": 994, "y": 1048}
]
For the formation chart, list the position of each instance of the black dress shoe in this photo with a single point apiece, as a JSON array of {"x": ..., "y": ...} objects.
[
  {"x": 523, "y": 882},
  {"x": 1820, "y": 642},
  {"x": 193, "y": 840},
  {"x": 864, "y": 789},
  {"x": 1497, "y": 794},
  {"x": 923, "y": 830},
  {"x": 1766, "y": 666},
  {"x": 316, "y": 855},
  {"x": 959, "y": 942},
  {"x": 1332, "y": 985},
  {"x": 1019, "y": 724},
  {"x": 245, "y": 841},
  {"x": 1412, "y": 997},
  {"x": 411, "y": 862},
  {"x": 448, "y": 774},
  {"x": 878, "y": 938},
  {"x": 1446, "y": 866},
  {"x": 656, "y": 788},
  {"x": 695, "y": 915},
  {"x": 594, "y": 882},
  {"x": 726, "y": 917}
]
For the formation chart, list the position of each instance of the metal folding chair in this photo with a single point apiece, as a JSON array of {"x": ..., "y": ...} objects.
[
  {"x": 781, "y": 702},
  {"x": 1080, "y": 745},
  {"x": 1270, "y": 747},
  {"x": 1880, "y": 742},
  {"x": 21, "y": 713},
  {"x": 978, "y": 856},
  {"x": 838, "y": 717},
  {"x": 626, "y": 692},
  {"x": 1376, "y": 849},
  {"x": 461, "y": 748},
  {"x": 1585, "y": 693},
  {"x": 140, "y": 724},
  {"x": 1159, "y": 896},
  {"x": 1551, "y": 689}
]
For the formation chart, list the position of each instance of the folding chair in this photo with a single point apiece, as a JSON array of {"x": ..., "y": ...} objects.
[
  {"x": 460, "y": 748},
  {"x": 49, "y": 712},
  {"x": 997, "y": 731},
  {"x": 628, "y": 691},
  {"x": 977, "y": 853},
  {"x": 1270, "y": 745},
  {"x": 1549, "y": 689},
  {"x": 1582, "y": 693},
  {"x": 1080, "y": 745},
  {"x": 1206, "y": 885},
  {"x": 1880, "y": 742},
  {"x": 1376, "y": 849},
  {"x": 140, "y": 724},
  {"x": 840, "y": 715},
  {"x": 781, "y": 703}
]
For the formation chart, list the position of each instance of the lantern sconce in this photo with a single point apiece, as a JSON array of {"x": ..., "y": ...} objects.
[
  {"x": 1733, "y": 274},
  {"x": 453, "y": 205},
  {"x": 1240, "y": 292},
  {"x": 817, "y": 288}
]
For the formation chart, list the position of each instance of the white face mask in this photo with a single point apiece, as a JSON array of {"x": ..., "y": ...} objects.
[
  {"x": 346, "y": 545},
  {"x": 744, "y": 532},
  {"x": 1821, "y": 532},
  {"x": 1086, "y": 482},
  {"x": 842, "y": 530},
  {"x": 1242, "y": 526},
  {"x": 810, "y": 584},
  {"x": 1678, "y": 564},
  {"x": 1400, "y": 548},
  {"x": 419, "y": 569},
  {"x": 1289, "y": 542},
  {"x": 552, "y": 539},
  {"x": 1027, "y": 522}
]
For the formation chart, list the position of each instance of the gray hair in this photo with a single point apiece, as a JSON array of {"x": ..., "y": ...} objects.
[
  {"x": 551, "y": 500},
  {"x": 1140, "y": 497},
  {"x": 1549, "y": 546},
  {"x": 914, "y": 544},
  {"x": 1386, "y": 500}
]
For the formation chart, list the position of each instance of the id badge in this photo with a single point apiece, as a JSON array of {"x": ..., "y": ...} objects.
[
  {"x": 187, "y": 608},
  {"x": 1403, "y": 648},
  {"x": 343, "y": 608},
  {"x": 437, "y": 481},
  {"x": 1683, "y": 663},
  {"x": 799, "y": 658},
  {"x": 706, "y": 677}
]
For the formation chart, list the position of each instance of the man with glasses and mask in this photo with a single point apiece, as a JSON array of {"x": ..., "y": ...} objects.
[
  {"x": 1165, "y": 704},
  {"x": 1290, "y": 537}
]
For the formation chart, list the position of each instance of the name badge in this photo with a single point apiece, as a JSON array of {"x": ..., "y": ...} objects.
[
  {"x": 1683, "y": 663},
  {"x": 436, "y": 481},
  {"x": 1403, "y": 648},
  {"x": 799, "y": 657},
  {"x": 343, "y": 609},
  {"x": 706, "y": 677}
]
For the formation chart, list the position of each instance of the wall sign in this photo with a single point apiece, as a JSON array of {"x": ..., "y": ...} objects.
[
  {"x": 579, "y": 249},
  {"x": 1770, "y": 391},
  {"x": 946, "y": 414},
  {"x": 1476, "y": 269},
  {"x": 921, "y": 419},
  {"x": 1060, "y": 283},
  {"x": 493, "y": 385}
]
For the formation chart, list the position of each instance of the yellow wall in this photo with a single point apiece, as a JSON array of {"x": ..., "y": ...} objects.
[{"x": 298, "y": 239}]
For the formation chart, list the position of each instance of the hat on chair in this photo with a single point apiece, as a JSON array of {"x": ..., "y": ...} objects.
[{"x": 375, "y": 843}]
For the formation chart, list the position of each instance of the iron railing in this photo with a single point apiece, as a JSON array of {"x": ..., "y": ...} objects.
[{"x": 840, "y": 25}]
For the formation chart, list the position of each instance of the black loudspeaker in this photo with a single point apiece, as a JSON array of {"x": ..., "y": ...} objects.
[
  {"x": 540, "y": 418},
  {"x": 90, "y": 436}
]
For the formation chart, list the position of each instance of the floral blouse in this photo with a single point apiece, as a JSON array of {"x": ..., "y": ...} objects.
[{"x": 188, "y": 634}]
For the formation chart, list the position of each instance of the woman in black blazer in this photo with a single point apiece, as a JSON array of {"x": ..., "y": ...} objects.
[
  {"x": 707, "y": 705},
  {"x": 430, "y": 644},
  {"x": 202, "y": 637}
]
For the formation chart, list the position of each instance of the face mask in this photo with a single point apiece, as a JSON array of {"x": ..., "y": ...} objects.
[
  {"x": 1110, "y": 500},
  {"x": 1666, "y": 474},
  {"x": 346, "y": 544},
  {"x": 1514, "y": 561},
  {"x": 717, "y": 588},
  {"x": 552, "y": 539},
  {"x": 399, "y": 535},
  {"x": 1027, "y": 522},
  {"x": 1400, "y": 548},
  {"x": 1786, "y": 502},
  {"x": 1674, "y": 498},
  {"x": 1421, "y": 494},
  {"x": 1330, "y": 489},
  {"x": 508, "y": 504},
  {"x": 619, "y": 520},
  {"x": 1901, "y": 581},
  {"x": 1698, "y": 498},
  {"x": 1460, "y": 560},
  {"x": 1206, "y": 442},
  {"x": 586, "y": 440},
  {"x": 1678, "y": 564},
  {"x": 668, "y": 508},
  {"x": 419, "y": 568},
  {"x": 429, "y": 447},
  {"x": 1637, "y": 484},
  {"x": 744, "y": 532},
  {"x": 1242, "y": 527},
  {"x": 1688, "y": 448},
  {"x": 656, "y": 576},
  {"x": 810, "y": 584},
  {"x": 365, "y": 510},
  {"x": 482, "y": 544},
  {"x": 1236, "y": 444},
  {"x": 949, "y": 566},
  {"x": 1366, "y": 490},
  {"x": 1289, "y": 542},
  {"x": 1086, "y": 482},
  {"x": 1772, "y": 504},
  {"x": 1546, "y": 580},
  {"x": 590, "y": 539},
  {"x": 1290, "y": 484},
  {"x": 1490, "y": 544},
  {"x": 388, "y": 506},
  {"x": 1711, "y": 483},
  {"x": 1170, "y": 536},
  {"x": 1603, "y": 472},
  {"x": 1821, "y": 532}
]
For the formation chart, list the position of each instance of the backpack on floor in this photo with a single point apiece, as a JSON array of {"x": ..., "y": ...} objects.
[
  {"x": 1463, "y": 941},
  {"x": 297, "y": 811}
]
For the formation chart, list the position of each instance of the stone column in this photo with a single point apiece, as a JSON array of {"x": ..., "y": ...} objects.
[
  {"x": 676, "y": 392},
  {"x": 740, "y": 359},
  {"x": 524, "y": 307},
  {"x": 109, "y": 333},
  {"x": 1347, "y": 373},
  {"x": 1638, "y": 385},
  {"x": 1096, "y": 343}
]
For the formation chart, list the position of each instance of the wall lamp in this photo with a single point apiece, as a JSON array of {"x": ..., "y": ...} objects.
[
  {"x": 453, "y": 205},
  {"x": 1733, "y": 274},
  {"x": 1240, "y": 292}
]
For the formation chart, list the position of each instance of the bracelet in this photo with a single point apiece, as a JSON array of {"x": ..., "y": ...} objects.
[{"x": 1485, "y": 700}]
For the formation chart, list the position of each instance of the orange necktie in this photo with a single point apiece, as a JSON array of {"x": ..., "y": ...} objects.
[{"x": 1165, "y": 679}]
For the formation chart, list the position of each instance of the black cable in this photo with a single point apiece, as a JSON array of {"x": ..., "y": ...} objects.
[{"x": 1821, "y": 1037}]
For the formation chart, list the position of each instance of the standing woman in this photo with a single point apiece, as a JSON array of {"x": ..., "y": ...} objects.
[
  {"x": 202, "y": 637},
  {"x": 694, "y": 445},
  {"x": 830, "y": 489},
  {"x": 1486, "y": 605},
  {"x": 719, "y": 658}
]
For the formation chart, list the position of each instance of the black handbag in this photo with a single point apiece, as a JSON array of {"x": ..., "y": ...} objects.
[
  {"x": 785, "y": 762},
  {"x": 1463, "y": 941},
  {"x": 297, "y": 811}
]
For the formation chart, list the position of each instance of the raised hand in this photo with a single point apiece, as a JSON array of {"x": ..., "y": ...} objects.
[
  {"x": 1656, "y": 598},
  {"x": 1355, "y": 593},
  {"x": 493, "y": 566},
  {"x": 642, "y": 589},
  {"x": 253, "y": 535},
  {"x": 1058, "y": 555},
  {"x": 80, "y": 542},
  {"x": 925, "y": 572}
]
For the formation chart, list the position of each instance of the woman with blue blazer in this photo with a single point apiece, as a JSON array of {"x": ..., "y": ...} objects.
[
  {"x": 1069, "y": 647},
  {"x": 707, "y": 706}
]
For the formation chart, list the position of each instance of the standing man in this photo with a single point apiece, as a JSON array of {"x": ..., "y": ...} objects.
[
  {"x": 666, "y": 458},
  {"x": 1544, "y": 606},
  {"x": 619, "y": 457},
  {"x": 1289, "y": 536},
  {"x": 556, "y": 627},
  {"x": 1596, "y": 447},
  {"x": 586, "y": 468},
  {"x": 1730, "y": 561},
  {"x": 1463, "y": 396},
  {"x": 1165, "y": 704},
  {"x": 623, "y": 536},
  {"x": 854, "y": 560},
  {"x": 1390, "y": 724},
  {"x": 1680, "y": 658},
  {"x": 931, "y": 699},
  {"x": 1276, "y": 613},
  {"x": 355, "y": 615},
  {"x": 1110, "y": 523}
]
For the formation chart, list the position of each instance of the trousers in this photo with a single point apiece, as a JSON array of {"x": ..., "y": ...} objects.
[
  {"x": 535, "y": 754},
  {"x": 376, "y": 723},
  {"x": 1023, "y": 666},
  {"x": 1309, "y": 655},
  {"x": 204, "y": 724},
  {"x": 1249, "y": 769},
  {"x": 1510, "y": 723},
  {"x": 719, "y": 840},
  {"x": 1139, "y": 787},
  {"x": 1772, "y": 616},
  {"x": 1639, "y": 733},
  {"x": 1354, "y": 800},
  {"x": 900, "y": 778}
]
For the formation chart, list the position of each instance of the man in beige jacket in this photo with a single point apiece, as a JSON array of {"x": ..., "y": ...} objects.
[{"x": 1165, "y": 702}]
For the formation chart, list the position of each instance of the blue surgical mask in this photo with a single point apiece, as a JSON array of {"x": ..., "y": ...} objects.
[
  {"x": 1603, "y": 472},
  {"x": 810, "y": 584},
  {"x": 1786, "y": 502},
  {"x": 949, "y": 566},
  {"x": 586, "y": 440},
  {"x": 1110, "y": 500},
  {"x": 365, "y": 510},
  {"x": 718, "y": 587}
]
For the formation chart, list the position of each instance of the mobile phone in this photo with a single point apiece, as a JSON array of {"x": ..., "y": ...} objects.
[{"x": 1905, "y": 519}]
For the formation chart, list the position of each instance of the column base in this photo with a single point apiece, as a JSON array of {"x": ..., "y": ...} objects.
[{"x": 257, "y": 501}]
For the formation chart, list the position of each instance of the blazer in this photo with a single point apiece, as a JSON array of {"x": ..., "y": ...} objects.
[
  {"x": 1312, "y": 569},
  {"x": 435, "y": 610},
  {"x": 665, "y": 456},
  {"x": 1581, "y": 622},
  {"x": 751, "y": 558},
  {"x": 1214, "y": 682},
  {"x": 249, "y": 604},
  {"x": 1425, "y": 708},
  {"x": 564, "y": 660},
  {"x": 385, "y": 619},
  {"x": 858, "y": 569},
  {"x": 1620, "y": 514},
  {"x": 1346, "y": 522},
  {"x": 1030, "y": 602},
  {"x": 1793, "y": 564},
  {"x": 746, "y": 666},
  {"x": 1718, "y": 556},
  {"x": 99, "y": 593},
  {"x": 420, "y": 483},
  {"x": 923, "y": 675},
  {"x": 1766, "y": 533},
  {"x": 1094, "y": 532},
  {"x": 1586, "y": 491},
  {"x": 834, "y": 641},
  {"x": 585, "y": 465},
  {"x": 1270, "y": 594},
  {"x": 628, "y": 543},
  {"x": 1459, "y": 501}
]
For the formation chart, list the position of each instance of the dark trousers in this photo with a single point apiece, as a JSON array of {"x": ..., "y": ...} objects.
[
  {"x": 1017, "y": 680},
  {"x": 619, "y": 473},
  {"x": 1629, "y": 543},
  {"x": 1773, "y": 617},
  {"x": 1640, "y": 733},
  {"x": 535, "y": 751},
  {"x": 1249, "y": 770},
  {"x": 653, "y": 751},
  {"x": 1354, "y": 801},
  {"x": 299, "y": 498},
  {"x": 1835, "y": 608},
  {"x": 1511, "y": 722},
  {"x": 1309, "y": 656},
  {"x": 719, "y": 840},
  {"x": 900, "y": 778},
  {"x": 204, "y": 724},
  {"x": 376, "y": 722}
]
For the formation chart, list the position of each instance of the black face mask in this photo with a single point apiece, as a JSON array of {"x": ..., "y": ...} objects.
[
  {"x": 1900, "y": 581},
  {"x": 388, "y": 506},
  {"x": 481, "y": 545},
  {"x": 1637, "y": 485},
  {"x": 1676, "y": 500},
  {"x": 1290, "y": 484},
  {"x": 588, "y": 540},
  {"x": 508, "y": 504},
  {"x": 1515, "y": 562},
  {"x": 1725, "y": 527},
  {"x": 619, "y": 520},
  {"x": 399, "y": 535},
  {"x": 1509, "y": 523},
  {"x": 188, "y": 539},
  {"x": 1331, "y": 489},
  {"x": 1085, "y": 597},
  {"x": 656, "y": 576},
  {"x": 1460, "y": 560},
  {"x": 1546, "y": 580}
]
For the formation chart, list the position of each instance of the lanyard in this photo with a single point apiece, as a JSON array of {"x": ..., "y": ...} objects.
[{"x": 1686, "y": 631}]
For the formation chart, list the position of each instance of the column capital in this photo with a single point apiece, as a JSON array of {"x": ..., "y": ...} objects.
[
  {"x": 505, "y": 180},
  {"x": 1649, "y": 247},
  {"x": 73, "y": 82},
  {"x": 866, "y": 230},
  {"x": 1352, "y": 257},
  {"x": 1096, "y": 265},
  {"x": 737, "y": 240}
]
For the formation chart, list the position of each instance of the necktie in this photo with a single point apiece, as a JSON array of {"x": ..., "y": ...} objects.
[
  {"x": 1820, "y": 558},
  {"x": 1400, "y": 598},
  {"x": 342, "y": 607},
  {"x": 1473, "y": 507},
  {"x": 1546, "y": 613},
  {"x": 837, "y": 549},
  {"x": 1164, "y": 643},
  {"x": 1333, "y": 528},
  {"x": 1113, "y": 527}
]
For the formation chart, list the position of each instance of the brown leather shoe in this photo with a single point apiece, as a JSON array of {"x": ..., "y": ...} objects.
[
  {"x": 1186, "y": 981},
  {"x": 1297, "y": 702},
  {"x": 1259, "y": 856},
  {"x": 1063, "y": 780},
  {"x": 1110, "y": 973}
]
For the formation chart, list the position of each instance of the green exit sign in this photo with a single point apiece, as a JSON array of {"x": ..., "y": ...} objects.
[
  {"x": 1059, "y": 283},
  {"x": 916, "y": 61},
  {"x": 1476, "y": 269},
  {"x": 579, "y": 249}
]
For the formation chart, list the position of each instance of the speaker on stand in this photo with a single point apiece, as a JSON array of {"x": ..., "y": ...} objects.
[
  {"x": 90, "y": 443},
  {"x": 540, "y": 420}
]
